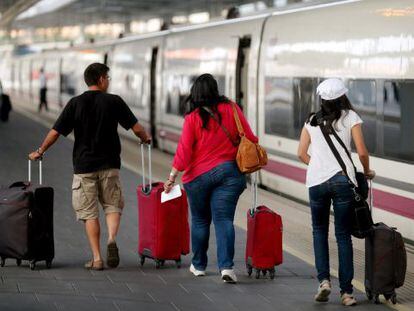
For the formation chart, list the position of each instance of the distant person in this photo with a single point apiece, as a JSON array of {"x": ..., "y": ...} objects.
[
  {"x": 328, "y": 183},
  {"x": 233, "y": 12},
  {"x": 43, "y": 90},
  {"x": 5, "y": 105},
  {"x": 94, "y": 117},
  {"x": 207, "y": 155}
]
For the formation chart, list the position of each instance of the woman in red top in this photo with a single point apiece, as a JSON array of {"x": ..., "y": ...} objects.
[{"x": 211, "y": 177}]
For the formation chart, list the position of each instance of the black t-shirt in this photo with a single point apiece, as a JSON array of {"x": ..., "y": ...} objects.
[{"x": 94, "y": 116}]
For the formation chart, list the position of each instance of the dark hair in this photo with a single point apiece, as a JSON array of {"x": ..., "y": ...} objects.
[
  {"x": 331, "y": 111},
  {"x": 94, "y": 72},
  {"x": 204, "y": 93}
]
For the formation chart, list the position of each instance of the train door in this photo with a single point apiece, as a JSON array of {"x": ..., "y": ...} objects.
[
  {"x": 153, "y": 97},
  {"x": 242, "y": 66}
]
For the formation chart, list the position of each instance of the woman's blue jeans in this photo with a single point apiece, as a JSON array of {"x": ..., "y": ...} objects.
[
  {"x": 213, "y": 196},
  {"x": 338, "y": 191}
]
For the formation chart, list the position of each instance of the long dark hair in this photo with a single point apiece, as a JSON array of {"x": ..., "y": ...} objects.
[
  {"x": 204, "y": 92},
  {"x": 331, "y": 111}
]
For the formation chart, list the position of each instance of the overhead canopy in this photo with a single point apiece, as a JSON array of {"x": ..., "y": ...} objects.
[
  {"x": 10, "y": 9},
  {"x": 122, "y": 11}
]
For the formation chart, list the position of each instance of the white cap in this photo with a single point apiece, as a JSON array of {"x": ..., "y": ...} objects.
[{"x": 331, "y": 89}]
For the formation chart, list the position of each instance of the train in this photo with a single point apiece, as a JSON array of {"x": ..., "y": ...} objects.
[{"x": 270, "y": 64}]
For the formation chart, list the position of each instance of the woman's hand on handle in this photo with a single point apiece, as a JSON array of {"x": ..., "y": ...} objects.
[{"x": 370, "y": 174}]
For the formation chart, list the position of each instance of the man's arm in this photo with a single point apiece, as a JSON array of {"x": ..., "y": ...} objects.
[
  {"x": 50, "y": 139},
  {"x": 140, "y": 132}
]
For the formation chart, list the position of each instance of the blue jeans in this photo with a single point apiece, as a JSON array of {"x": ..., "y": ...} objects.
[
  {"x": 213, "y": 196},
  {"x": 336, "y": 190}
]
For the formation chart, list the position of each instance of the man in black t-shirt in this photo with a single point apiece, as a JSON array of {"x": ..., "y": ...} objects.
[{"x": 94, "y": 117}]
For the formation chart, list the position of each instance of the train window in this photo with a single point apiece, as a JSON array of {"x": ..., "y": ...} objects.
[
  {"x": 304, "y": 101},
  {"x": 178, "y": 89},
  {"x": 67, "y": 84},
  {"x": 279, "y": 107},
  {"x": 398, "y": 120},
  {"x": 362, "y": 94}
]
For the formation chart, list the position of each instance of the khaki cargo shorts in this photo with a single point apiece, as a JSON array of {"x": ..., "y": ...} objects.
[{"x": 103, "y": 186}]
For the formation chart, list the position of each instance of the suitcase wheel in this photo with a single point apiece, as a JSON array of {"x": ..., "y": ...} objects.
[
  {"x": 272, "y": 274},
  {"x": 257, "y": 274},
  {"x": 369, "y": 295},
  {"x": 18, "y": 262},
  {"x": 48, "y": 264},
  {"x": 32, "y": 265},
  {"x": 376, "y": 299},
  {"x": 394, "y": 299},
  {"x": 141, "y": 260},
  {"x": 249, "y": 270},
  {"x": 177, "y": 263},
  {"x": 157, "y": 264},
  {"x": 2, "y": 262}
]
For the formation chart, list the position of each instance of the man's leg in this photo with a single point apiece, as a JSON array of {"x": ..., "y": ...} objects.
[
  {"x": 110, "y": 196},
  {"x": 93, "y": 232},
  {"x": 112, "y": 222},
  {"x": 85, "y": 204}
]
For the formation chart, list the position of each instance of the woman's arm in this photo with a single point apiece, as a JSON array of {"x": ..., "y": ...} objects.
[
  {"x": 304, "y": 143},
  {"x": 362, "y": 150}
]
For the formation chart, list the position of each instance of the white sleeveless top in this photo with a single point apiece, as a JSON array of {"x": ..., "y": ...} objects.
[{"x": 323, "y": 164}]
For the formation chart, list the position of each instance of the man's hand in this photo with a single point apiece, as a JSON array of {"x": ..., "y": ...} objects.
[
  {"x": 35, "y": 155},
  {"x": 146, "y": 139},
  {"x": 140, "y": 132}
]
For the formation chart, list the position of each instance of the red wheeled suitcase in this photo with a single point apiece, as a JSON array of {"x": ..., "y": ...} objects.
[
  {"x": 264, "y": 239},
  {"x": 163, "y": 227},
  {"x": 26, "y": 222}
]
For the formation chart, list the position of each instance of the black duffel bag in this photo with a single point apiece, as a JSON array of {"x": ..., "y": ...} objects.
[{"x": 362, "y": 222}]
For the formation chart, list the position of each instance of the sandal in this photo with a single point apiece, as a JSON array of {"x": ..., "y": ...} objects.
[
  {"x": 94, "y": 265},
  {"x": 112, "y": 256}
]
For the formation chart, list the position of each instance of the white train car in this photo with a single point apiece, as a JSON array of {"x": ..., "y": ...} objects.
[
  {"x": 270, "y": 64},
  {"x": 369, "y": 44}
]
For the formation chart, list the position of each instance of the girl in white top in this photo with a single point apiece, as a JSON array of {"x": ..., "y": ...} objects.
[{"x": 328, "y": 184}]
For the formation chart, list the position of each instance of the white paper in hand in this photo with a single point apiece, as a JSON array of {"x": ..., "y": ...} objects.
[{"x": 174, "y": 193}]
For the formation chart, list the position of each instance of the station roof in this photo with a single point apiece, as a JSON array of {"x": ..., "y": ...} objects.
[
  {"x": 10, "y": 9},
  {"x": 119, "y": 11}
]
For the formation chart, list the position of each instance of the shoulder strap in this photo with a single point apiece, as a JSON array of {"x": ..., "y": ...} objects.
[
  {"x": 237, "y": 119},
  {"x": 225, "y": 130},
  {"x": 333, "y": 149},
  {"x": 343, "y": 146}
]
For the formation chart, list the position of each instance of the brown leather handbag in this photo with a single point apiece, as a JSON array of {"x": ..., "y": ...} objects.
[{"x": 251, "y": 157}]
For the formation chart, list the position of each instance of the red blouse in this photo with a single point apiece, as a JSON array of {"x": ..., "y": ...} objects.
[{"x": 199, "y": 150}]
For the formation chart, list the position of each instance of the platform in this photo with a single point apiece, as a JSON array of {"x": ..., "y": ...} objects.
[{"x": 67, "y": 286}]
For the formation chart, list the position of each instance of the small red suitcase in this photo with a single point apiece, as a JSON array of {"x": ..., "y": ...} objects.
[
  {"x": 163, "y": 227},
  {"x": 264, "y": 239}
]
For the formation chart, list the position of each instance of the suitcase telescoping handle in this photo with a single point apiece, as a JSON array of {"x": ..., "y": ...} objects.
[
  {"x": 253, "y": 186},
  {"x": 29, "y": 171},
  {"x": 146, "y": 189},
  {"x": 371, "y": 198}
]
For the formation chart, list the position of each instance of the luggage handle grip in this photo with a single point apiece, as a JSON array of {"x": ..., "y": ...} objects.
[
  {"x": 144, "y": 188},
  {"x": 29, "y": 172}
]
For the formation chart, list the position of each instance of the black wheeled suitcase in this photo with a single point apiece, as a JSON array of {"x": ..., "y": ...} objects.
[
  {"x": 385, "y": 262},
  {"x": 26, "y": 222}
]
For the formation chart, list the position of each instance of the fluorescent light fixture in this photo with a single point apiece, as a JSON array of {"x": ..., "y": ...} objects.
[
  {"x": 154, "y": 24},
  {"x": 181, "y": 19},
  {"x": 198, "y": 18},
  {"x": 44, "y": 6}
]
